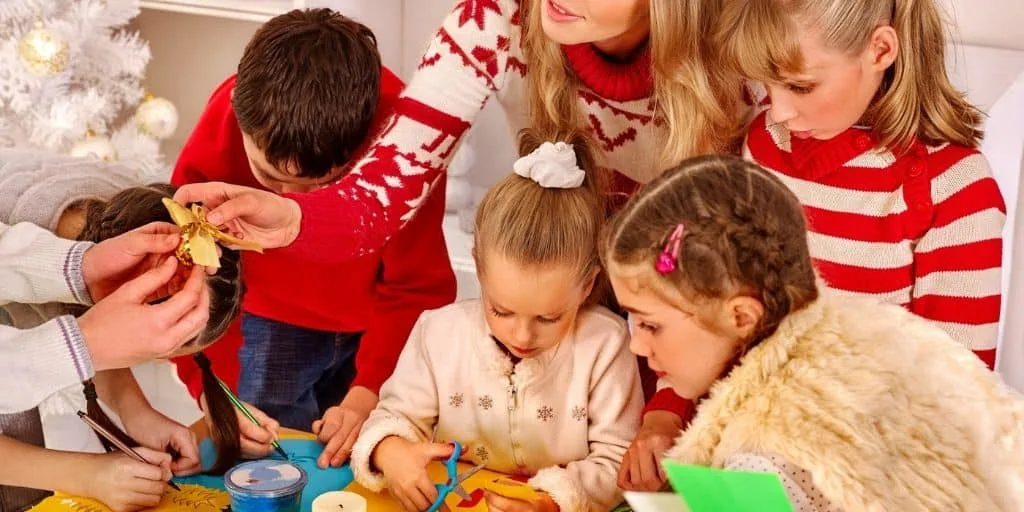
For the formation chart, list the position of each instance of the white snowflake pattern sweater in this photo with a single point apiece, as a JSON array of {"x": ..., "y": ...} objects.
[{"x": 564, "y": 417}]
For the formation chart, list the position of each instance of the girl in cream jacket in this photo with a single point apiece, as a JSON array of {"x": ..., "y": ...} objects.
[{"x": 532, "y": 380}]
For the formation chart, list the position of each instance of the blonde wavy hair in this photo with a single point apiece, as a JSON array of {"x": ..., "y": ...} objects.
[
  {"x": 543, "y": 227},
  {"x": 701, "y": 103},
  {"x": 758, "y": 39}
]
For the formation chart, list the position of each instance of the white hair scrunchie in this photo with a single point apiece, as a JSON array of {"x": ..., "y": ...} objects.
[{"x": 551, "y": 166}]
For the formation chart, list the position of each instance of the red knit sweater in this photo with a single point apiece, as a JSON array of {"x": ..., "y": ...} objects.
[
  {"x": 381, "y": 293},
  {"x": 475, "y": 56},
  {"x": 922, "y": 230}
]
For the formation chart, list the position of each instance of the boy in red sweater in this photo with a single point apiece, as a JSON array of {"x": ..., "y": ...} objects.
[{"x": 319, "y": 339}]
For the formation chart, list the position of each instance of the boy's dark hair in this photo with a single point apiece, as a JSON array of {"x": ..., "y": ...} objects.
[{"x": 307, "y": 89}]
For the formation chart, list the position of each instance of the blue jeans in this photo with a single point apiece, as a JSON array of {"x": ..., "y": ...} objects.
[{"x": 292, "y": 373}]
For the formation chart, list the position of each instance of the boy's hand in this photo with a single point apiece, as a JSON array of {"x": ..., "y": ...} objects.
[
  {"x": 254, "y": 440},
  {"x": 641, "y": 467},
  {"x": 404, "y": 465},
  {"x": 339, "y": 427},
  {"x": 499, "y": 503},
  {"x": 124, "y": 484},
  {"x": 160, "y": 433},
  {"x": 248, "y": 213}
]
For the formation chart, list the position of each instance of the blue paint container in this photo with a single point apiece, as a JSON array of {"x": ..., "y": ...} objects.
[{"x": 265, "y": 486}]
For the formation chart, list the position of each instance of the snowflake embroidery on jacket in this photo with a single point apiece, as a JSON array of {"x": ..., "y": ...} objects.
[
  {"x": 545, "y": 414},
  {"x": 579, "y": 413},
  {"x": 482, "y": 454},
  {"x": 456, "y": 400},
  {"x": 485, "y": 402}
]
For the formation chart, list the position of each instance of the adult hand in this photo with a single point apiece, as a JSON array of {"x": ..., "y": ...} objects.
[
  {"x": 158, "y": 432},
  {"x": 499, "y": 503},
  {"x": 123, "y": 329},
  {"x": 404, "y": 465},
  {"x": 339, "y": 427},
  {"x": 254, "y": 440},
  {"x": 641, "y": 467},
  {"x": 248, "y": 213},
  {"x": 112, "y": 262}
]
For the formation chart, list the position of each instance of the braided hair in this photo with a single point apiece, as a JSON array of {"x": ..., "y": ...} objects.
[{"x": 745, "y": 234}]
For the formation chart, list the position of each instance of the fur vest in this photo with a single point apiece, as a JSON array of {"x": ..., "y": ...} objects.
[{"x": 884, "y": 410}]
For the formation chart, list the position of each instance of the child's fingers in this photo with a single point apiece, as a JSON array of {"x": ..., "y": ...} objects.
[
  {"x": 332, "y": 449},
  {"x": 623, "y": 477},
  {"x": 426, "y": 492},
  {"x": 142, "y": 500},
  {"x": 150, "y": 487},
  {"x": 142, "y": 471},
  {"x": 649, "y": 473},
  {"x": 317, "y": 425},
  {"x": 328, "y": 428},
  {"x": 346, "y": 448},
  {"x": 253, "y": 449},
  {"x": 254, "y": 432}
]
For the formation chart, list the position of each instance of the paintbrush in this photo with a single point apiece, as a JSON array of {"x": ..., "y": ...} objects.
[{"x": 127, "y": 450}]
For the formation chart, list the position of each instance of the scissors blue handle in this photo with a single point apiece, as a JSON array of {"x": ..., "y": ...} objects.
[{"x": 443, "y": 490}]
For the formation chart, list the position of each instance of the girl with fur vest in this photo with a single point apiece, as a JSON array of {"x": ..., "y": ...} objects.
[{"x": 856, "y": 405}]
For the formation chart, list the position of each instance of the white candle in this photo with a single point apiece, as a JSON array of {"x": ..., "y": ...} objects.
[{"x": 339, "y": 501}]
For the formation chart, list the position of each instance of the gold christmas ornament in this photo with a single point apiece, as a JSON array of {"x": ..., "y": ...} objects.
[
  {"x": 43, "y": 51},
  {"x": 95, "y": 146},
  {"x": 157, "y": 117},
  {"x": 199, "y": 238}
]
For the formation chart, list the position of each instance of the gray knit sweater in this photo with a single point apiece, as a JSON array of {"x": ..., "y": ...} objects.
[{"x": 36, "y": 188}]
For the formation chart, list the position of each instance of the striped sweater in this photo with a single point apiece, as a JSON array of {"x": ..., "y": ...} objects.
[{"x": 922, "y": 230}]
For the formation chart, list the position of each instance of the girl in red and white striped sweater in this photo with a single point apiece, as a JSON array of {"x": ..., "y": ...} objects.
[{"x": 866, "y": 128}]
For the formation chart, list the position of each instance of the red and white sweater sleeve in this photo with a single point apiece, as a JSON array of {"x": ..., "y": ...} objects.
[
  {"x": 464, "y": 65},
  {"x": 958, "y": 261},
  {"x": 415, "y": 276}
]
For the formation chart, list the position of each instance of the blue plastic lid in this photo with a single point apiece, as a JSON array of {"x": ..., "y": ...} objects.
[{"x": 267, "y": 478}]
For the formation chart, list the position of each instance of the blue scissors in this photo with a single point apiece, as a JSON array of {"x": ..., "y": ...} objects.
[{"x": 454, "y": 483}]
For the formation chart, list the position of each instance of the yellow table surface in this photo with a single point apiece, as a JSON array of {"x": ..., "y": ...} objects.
[{"x": 194, "y": 498}]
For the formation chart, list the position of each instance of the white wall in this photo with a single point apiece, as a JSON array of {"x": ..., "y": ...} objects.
[
  {"x": 989, "y": 22},
  {"x": 193, "y": 53}
]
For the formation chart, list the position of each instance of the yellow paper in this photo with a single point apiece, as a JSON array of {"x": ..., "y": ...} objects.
[
  {"x": 484, "y": 479},
  {"x": 199, "y": 238},
  {"x": 192, "y": 498}
]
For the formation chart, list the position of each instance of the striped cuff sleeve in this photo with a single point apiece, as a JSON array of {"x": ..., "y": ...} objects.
[
  {"x": 38, "y": 362},
  {"x": 76, "y": 346},
  {"x": 72, "y": 272}
]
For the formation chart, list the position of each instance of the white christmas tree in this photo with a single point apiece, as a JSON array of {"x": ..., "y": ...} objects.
[{"x": 70, "y": 82}]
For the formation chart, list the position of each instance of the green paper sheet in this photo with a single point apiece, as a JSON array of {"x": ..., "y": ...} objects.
[{"x": 716, "y": 490}]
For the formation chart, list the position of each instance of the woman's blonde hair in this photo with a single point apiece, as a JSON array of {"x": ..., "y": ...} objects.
[
  {"x": 743, "y": 232},
  {"x": 701, "y": 104},
  {"x": 758, "y": 38},
  {"x": 533, "y": 225}
]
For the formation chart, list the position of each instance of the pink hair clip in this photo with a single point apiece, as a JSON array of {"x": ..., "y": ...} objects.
[{"x": 666, "y": 263}]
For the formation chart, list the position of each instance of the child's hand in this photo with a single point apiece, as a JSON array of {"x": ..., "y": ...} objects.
[
  {"x": 339, "y": 427},
  {"x": 498, "y": 503},
  {"x": 641, "y": 468},
  {"x": 124, "y": 484},
  {"x": 158, "y": 432},
  {"x": 255, "y": 440},
  {"x": 404, "y": 465}
]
